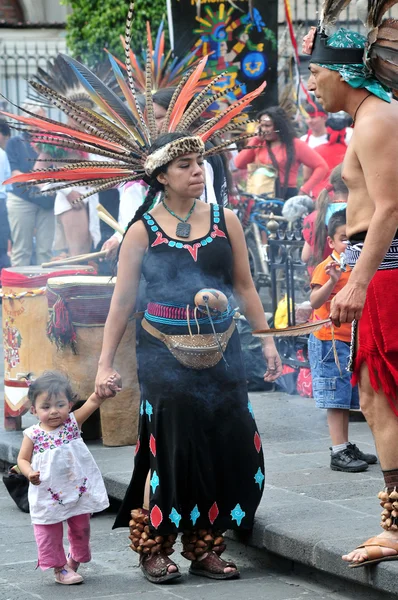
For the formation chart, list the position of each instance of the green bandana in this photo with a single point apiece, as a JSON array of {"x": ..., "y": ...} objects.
[{"x": 357, "y": 76}]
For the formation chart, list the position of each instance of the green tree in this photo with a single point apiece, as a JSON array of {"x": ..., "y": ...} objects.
[{"x": 97, "y": 24}]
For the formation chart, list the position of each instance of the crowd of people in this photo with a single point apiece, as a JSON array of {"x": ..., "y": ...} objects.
[
  {"x": 199, "y": 466},
  {"x": 38, "y": 227}
]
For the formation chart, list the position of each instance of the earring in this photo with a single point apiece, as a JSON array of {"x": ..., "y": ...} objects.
[{"x": 165, "y": 193}]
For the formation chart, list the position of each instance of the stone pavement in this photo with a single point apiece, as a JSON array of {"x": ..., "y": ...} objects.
[
  {"x": 309, "y": 514},
  {"x": 113, "y": 573}
]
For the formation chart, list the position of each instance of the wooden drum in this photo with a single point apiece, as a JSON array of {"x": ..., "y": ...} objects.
[
  {"x": 26, "y": 346},
  {"x": 78, "y": 308}
]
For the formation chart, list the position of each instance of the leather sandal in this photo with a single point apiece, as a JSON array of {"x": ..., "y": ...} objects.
[
  {"x": 213, "y": 567},
  {"x": 375, "y": 554},
  {"x": 155, "y": 568}
]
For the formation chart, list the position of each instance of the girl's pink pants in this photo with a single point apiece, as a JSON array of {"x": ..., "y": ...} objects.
[{"x": 49, "y": 540}]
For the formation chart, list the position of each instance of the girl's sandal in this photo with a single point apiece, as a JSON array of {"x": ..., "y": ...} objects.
[
  {"x": 155, "y": 568},
  {"x": 213, "y": 567}
]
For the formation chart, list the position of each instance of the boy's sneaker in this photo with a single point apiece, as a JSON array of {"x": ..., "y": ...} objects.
[
  {"x": 345, "y": 460},
  {"x": 371, "y": 459},
  {"x": 67, "y": 576},
  {"x": 72, "y": 563}
]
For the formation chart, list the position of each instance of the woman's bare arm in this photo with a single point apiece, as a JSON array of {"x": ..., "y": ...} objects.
[
  {"x": 244, "y": 289},
  {"x": 123, "y": 301}
]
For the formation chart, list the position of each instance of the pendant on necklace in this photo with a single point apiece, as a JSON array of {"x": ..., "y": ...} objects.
[{"x": 183, "y": 230}]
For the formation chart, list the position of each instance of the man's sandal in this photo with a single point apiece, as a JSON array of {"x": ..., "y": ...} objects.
[
  {"x": 155, "y": 568},
  {"x": 375, "y": 555},
  {"x": 213, "y": 567}
]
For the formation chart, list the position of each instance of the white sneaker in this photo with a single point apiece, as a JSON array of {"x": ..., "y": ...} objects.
[{"x": 67, "y": 576}]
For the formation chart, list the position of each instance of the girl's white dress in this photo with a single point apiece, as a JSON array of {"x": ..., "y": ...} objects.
[{"x": 71, "y": 482}]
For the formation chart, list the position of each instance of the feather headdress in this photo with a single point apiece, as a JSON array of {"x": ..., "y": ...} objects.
[
  {"x": 61, "y": 78},
  {"x": 381, "y": 52},
  {"x": 117, "y": 129},
  {"x": 166, "y": 69}
]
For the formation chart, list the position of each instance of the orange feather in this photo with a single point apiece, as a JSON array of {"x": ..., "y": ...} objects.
[
  {"x": 186, "y": 94},
  {"x": 233, "y": 110}
]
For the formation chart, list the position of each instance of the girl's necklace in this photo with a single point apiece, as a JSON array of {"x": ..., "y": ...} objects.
[
  {"x": 358, "y": 107},
  {"x": 183, "y": 228}
]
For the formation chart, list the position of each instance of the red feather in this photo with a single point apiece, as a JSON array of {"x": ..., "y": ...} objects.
[
  {"x": 72, "y": 175},
  {"x": 233, "y": 110},
  {"x": 149, "y": 38},
  {"x": 74, "y": 133}
]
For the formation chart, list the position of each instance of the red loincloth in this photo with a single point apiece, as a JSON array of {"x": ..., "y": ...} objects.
[{"x": 378, "y": 336}]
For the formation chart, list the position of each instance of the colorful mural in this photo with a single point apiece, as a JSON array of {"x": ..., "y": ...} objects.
[{"x": 240, "y": 42}]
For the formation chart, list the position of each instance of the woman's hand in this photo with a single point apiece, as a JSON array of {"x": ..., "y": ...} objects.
[
  {"x": 74, "y": 200},
  {"x": 111, "y": 246},
  {"x": 34, "y": 477},
  {"x": 107, "y": 382},
  {"x": 273, "y": 360}
]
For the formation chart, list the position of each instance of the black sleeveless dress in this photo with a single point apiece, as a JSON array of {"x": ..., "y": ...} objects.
[{"x": 197, "y": 433}]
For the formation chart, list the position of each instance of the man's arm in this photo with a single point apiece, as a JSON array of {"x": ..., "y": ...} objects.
[{"x": 376, "y": 147}]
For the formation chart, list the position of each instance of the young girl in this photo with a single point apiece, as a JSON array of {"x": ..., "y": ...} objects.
[
  {"x": 331, "y": 382},
  {"x": 65, "y": 482},
  {"x": 333, "y": 198}
]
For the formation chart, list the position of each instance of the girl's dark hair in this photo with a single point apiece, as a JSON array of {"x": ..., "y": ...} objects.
[
  {"x": 338, "y": 187},
  {"x": 287, "y": 134},
  {"x": 52, "y": 383},
  {"x": 337, "y": 220},
  {"x": 154, "y": 186},
  {"x": 163, "y": 96}
]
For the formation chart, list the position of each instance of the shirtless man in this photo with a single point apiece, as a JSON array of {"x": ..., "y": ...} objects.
[{"x": 371, "y": 173}]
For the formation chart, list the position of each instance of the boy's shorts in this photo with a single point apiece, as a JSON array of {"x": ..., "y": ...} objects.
[{"x": 330, "y": 388}]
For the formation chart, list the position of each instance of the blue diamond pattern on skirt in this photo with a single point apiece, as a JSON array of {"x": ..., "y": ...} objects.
[
  {"x": 195, "y": 514},
  {"x": 238, "y": 514},
  {"x": 175, "y": 517}
]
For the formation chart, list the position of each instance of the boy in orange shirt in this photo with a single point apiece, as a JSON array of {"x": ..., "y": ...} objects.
[{"x": 332, "y": 389}]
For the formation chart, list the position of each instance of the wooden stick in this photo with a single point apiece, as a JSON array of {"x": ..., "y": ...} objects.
[
  {"x": 73, "y": 260},
  {"x": 102, "y": 209},
  {"x": 111, "y": 222}
]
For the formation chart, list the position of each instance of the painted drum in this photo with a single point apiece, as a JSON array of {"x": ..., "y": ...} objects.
[
  {"x": 24, "y": 318},
  {"x": 78, "y": 308}
]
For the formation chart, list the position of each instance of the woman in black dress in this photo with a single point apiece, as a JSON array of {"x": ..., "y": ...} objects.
[{"x": 197, "y": 437}]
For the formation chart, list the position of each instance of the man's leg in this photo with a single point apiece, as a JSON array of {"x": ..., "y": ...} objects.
[
  {"x": 76, "y": 229},
  {"x": 45, "y": 231},
  {"x": 384, "y": 426},
  {"x": 22, "y": 217}
]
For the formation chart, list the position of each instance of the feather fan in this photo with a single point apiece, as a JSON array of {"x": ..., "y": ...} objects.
[
  {"x": 294, "y": 330},
  {"x": 376, "y": 11},
  {"x": 330, "y": 12}
]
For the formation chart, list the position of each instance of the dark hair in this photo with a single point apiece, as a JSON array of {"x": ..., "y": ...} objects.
[
  {"x": 337, "y": 220},
  {"x": 163, "y": 96},
  {"x": 154, "y": 186},
  {"x": 336, "y": 185},
  {"x": 287, "y": 134},
  {"x": 4, "y": 128},
  {"x": 313, "y": 108},
  {"x": 52, "y": 383}
]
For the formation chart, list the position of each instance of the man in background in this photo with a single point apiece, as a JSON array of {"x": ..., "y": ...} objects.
[
  {"x": 31, "y": 215},
  {"x": 5, "y": 173}
]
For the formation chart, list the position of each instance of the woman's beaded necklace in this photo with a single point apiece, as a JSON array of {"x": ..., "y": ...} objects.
[{"x": 183, "y": 229}]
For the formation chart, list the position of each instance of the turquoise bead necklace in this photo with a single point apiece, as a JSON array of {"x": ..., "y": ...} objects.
[{"x": 183, "y": 228}]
